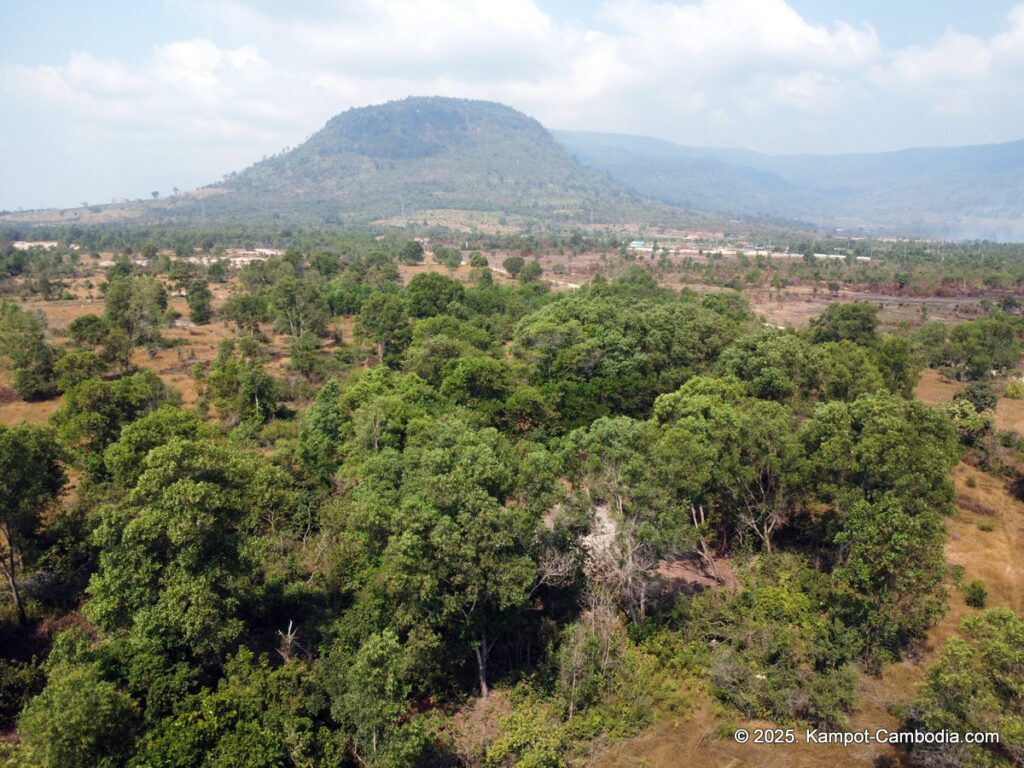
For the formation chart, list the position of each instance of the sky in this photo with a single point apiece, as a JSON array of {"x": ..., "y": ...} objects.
[{"x": 107, "y": 100}]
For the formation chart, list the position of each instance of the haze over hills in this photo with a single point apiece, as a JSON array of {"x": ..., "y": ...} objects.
[
  {"x": 948, "y": 192},
  {"x": 406, "y": 160},
  {"x": 463, "y": 162}
]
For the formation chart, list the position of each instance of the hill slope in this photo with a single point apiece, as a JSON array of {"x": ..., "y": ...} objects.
[
  {"x": 957, "y": 192},
  {"x": 414, "y": 160}
]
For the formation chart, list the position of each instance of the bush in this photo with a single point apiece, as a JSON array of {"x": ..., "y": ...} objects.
[
  {"x": 1014, "y": 390},
  {"x": 975, "y": 593}
]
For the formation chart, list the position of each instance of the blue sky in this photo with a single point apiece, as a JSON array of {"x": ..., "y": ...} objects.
[{"x": 108, "y": 100}]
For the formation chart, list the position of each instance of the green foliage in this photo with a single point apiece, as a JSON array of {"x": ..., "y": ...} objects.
[
  {"x": 200, "y": 302},
  {"x": 174, "y": 564},
  {"x": 256, "y": 716},
  {"x": 477, "y": 260},
  {"x": 383, "y": 320},
  {"x": 23, "y": 344},
  {"x": 124, "y": 459},
  {"x": 370, "y": 697},
  {"x": 429, "y": 294},
  {"x": 239, "y": 385},
  {"x": 31, "y": 479},
  {"x": 136, "y": 305},
  {"x": 298, "y": 306},
  {"x": 94, "y": 412},
  {"x": 979, "y": 394},
  {"x": 771, "y": 650},
  {"x": 856, "y": 322},
  {"x": 411, "y": 252},
  {"x": 975, "y": 593},
  {"x": 76, "y": 366},
  {"x": 531, "y": 271},
  {"x": 975, "y": 686},
  {"x": 531, "y": 737},
  {"x": 514, "y": 265},
  {"x": 79, "y": 719}
]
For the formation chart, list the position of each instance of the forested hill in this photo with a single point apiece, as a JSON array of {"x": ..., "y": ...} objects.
[
  {"x": 427, "y": 154},
  {"x": 441, "y": 160},
  {"x": 949, "y": 192}
]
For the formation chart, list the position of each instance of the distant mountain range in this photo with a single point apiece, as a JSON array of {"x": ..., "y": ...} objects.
[
  {"x": 465, "y": 162},
  {"x": 955, "y": 193}
]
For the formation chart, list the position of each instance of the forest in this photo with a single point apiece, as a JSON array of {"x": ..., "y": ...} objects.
[{"x": 420, "y": 507}]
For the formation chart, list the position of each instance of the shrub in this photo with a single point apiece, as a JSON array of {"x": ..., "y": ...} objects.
[{"x": 975, "y": 593}]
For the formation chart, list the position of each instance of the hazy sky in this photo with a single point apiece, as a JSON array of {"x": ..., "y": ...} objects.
[{"x": 103, "y": 99}]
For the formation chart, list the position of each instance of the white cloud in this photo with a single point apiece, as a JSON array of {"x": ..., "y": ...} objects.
[{"x": 750, "y": 72}]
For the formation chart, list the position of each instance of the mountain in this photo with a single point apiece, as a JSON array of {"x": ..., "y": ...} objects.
[
  {"x": 439, "y": 159},
  {"x": 948, "y": 192}
]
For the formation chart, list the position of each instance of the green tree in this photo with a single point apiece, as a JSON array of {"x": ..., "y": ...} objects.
[
  {"x": 513, "y": 265},
  {"x": 383, "y": 320},
  {"x": 240, "y": 386},
  {"x": 75, "y": 366},
  {"x": 200, "y": 302},
  {"x": 411, "y": 252},
  {"x": 429, "y": 294},
  {"x": 23, "y": 343},
  {"x": 80, "y": 719},
  {"x": 94, "y": 412},
  {"x": 370, "y": 698},
  {"x": 31, "y": 479},
  {"x": 899, "y": 363},
  {"x": 137, "y": 305},
  {"x": 974, "y": 687},
  {"x": 856, "y": 322},
  {"x": 299, "y": 306},
  {"x": 175, "y": 565},
  {"x": 531, "y": 271}
]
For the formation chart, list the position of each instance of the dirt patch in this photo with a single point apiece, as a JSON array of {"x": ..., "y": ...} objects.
[{"x": 933, "y": 389}]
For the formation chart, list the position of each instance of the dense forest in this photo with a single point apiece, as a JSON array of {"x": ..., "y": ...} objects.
[{"x": 413, "y": 519}]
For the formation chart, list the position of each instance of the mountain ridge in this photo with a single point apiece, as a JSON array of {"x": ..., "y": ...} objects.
[{"x": 956, "y": 192}]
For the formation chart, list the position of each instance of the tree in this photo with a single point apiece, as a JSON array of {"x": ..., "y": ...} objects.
[
  {"x": 746, "y": 468},
  {"x": 889, "y": 582},
  {"x": 411, "y": 252},
  {"x": 248, "y": 311},
  {"x": 76, "y": 366},
  {"x": 856, "y": 322},
  {"x": 174, "y": 564},
  {"x": 94, "y": 412},
  {"x": 974, "y": 687},
  {"x": 299, "y": 306},
  {"x": 531, "y": 271},
  {"x": 383, "y": 320},
  {"x": 88, "y": 330},
  {"x": 31, "y": 480},
  {"x": 200, "y": 302},
  {"x": 124, "y": 459},
  {"x": 370, "y": 697},
  {"x": 899, "y": 363},
  {"x": 137, "y": 305},
  {"x": 23, "y": 343},
  {"x": 477, "y": 260},
  {"x": 240, "y": 386},
  {"x": 79, "y": 719},
  {"x": 448, "y": 257},
  {"x": 430, "y": 294},
  {"x": 513, "y": 265}
]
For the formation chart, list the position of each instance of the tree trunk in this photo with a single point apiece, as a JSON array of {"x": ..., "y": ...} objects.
[
  {"x": 9, "y": 572},
  {"x": 481, "y": 665}
]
